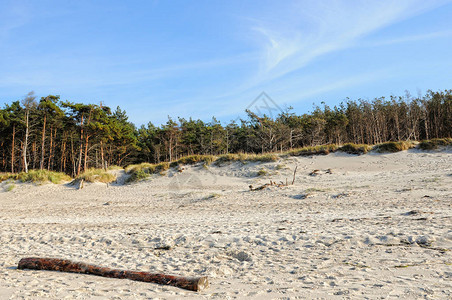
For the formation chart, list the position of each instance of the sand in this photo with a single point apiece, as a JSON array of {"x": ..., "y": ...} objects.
[{"x": 378, "y": 226}]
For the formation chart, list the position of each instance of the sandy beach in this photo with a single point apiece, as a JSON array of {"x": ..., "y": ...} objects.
[{"x": 377, "y": 226}]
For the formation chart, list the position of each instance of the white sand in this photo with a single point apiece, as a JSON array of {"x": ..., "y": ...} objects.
[{"x": 340, "y": 235}]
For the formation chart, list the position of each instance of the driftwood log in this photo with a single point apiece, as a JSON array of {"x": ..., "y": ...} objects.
[{"x": 62, "y": 265}]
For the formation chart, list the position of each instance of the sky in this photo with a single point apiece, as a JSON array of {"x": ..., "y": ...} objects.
[{"x": 206, "y": 58}]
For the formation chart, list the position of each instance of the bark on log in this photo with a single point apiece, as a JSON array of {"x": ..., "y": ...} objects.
[{"x": 62, "y": 265}]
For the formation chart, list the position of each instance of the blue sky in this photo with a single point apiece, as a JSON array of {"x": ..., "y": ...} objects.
[{"x": 213, "y": 58}]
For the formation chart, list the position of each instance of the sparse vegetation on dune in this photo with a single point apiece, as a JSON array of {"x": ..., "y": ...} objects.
[
  {"x": 246, "y": 157},
  {"x": 144, "y": 170},
  {"x": 148, "y": 168},
  {"x": 315, "y": 150},
  {"x": 394, "y": 146},
  {"x": 262, "y": 172},
  {"x": 434, "y": 143},
  {"x": 355, "y": 148},
  {"x": 138, "y": 175},
  {"x": 97, "y": 175},
  {"x": 193, "y": 159},
  {"x": 10, "y": 187},
  {"x": 114, "y": 167},
  {"x": 37, "y": 176}
]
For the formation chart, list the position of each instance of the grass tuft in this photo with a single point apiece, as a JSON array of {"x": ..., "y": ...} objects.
[
  {"x": 244, "y": 157},
  {"x": 435, "y": 143},
  {"x": 144, "y": 170},
  {"x": 355, "y": 148},
  {"x": 114, "y": 167},
  {"x": 41, "y": 176},
  {"x": 315, "y": 150},
  {"x": 280, "y": 167},
  {"x": 193, "y": 159},
  {"x": 262, "y": 172},
  {"x": 148, "y": 168},
  {"x": 393, "y": 147},
  {"x": 138, "y": 176},
  {"x": 97, "y": 175},
  {"x": 10, "y": 187}
]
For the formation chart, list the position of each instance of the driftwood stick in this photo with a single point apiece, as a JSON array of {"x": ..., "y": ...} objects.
[
  {"x": 62, "y": 265},
  {"x": 294, "y": 172}
]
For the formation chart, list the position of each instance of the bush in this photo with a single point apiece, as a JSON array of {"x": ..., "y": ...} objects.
[
  {"x": 435, "y": 143},
  {"x": 355, "y": 148},
  {"x": 97, "y": 175},
  {"x": 394, "y": 146}
]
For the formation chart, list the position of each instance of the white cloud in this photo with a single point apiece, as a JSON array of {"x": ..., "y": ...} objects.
[{"x": 324, "y": 27}]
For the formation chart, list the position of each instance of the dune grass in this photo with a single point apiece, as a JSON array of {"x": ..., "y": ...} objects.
[
  {"x": 393, "y": 147},
  {"x": 97, "y": 175},
  {"x": 355, "y": 148},
  {"x": 148, "y": 168},
  {"x": 37, "y": 176},
  {"x": 138, "y": 175},
  {"x": 5, "y": 176},
  {"x": 114, "y": 167},
  {"x": 246, "y": 157},
  {"x": 262, "y": 172},
  {"x": 193, "y": 159},
  {"x": 10, "y": 187},
  {"x": 144, "y": 170},
  {"x": 434, "y": 143},
  {"x": 314, "y": 150}
]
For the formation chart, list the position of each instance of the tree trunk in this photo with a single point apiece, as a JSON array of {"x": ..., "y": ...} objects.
[
  {"x": 85, "y": 160},
  {"x": 43, "y": 138},
  {"x": 24, "y": 151},
  {"x": 63, "y": 154},
  {"x": 102, "y": 155},
  {"x": 80, "y": 148},
  {"x": 52, "y": 264},
  {"x": 50, "y": 148},
  {"x": 12, "y": 148}
]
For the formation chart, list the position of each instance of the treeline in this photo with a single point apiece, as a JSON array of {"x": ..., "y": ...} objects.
[{"x": 72, "y": 137}]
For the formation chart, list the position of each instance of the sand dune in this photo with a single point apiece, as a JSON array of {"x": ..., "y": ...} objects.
[{"x": 378, "y": 226}]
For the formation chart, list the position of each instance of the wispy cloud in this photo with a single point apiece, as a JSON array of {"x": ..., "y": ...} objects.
[
  {"x": 13, "y": 15},
  {"x": 408, "y": 39},
  {"x": 324, "y": 27}
]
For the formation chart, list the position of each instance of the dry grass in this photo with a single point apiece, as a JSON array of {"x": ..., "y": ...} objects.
[
  {"x": 97, "y": 175},
  {"x": 262, "y": 172},
  {"x": 137, "y": 176},
  {"x": 10, "y": 187},
  {"x": 193, "y": 159},
  {"x": 37, "y": 176},
  {"x": 114, "y": 167},
  {"x": 245, "y": 157},
  {"x": 144, "y": 170},
  {"x": 434, "y": 143},
  {"x": 393, "y": 147},
  {"x": 315, "y": 150},
  {"x": 148, "y": 168},
  {"x": 355, "y": 148}
]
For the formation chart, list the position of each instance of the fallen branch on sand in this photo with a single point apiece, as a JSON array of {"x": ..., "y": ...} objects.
[{"x": 54, "y": 264}]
